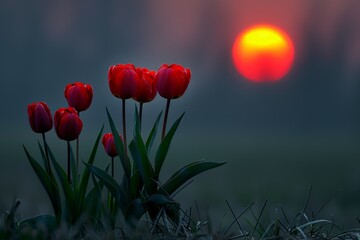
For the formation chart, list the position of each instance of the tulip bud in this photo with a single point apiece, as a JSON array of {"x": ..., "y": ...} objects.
[
  {"x": 123, "y": 80},
  {"x": 172, "y": 80},
  {"x": 79, "y": 95},
  {"x": 40, "y": 117},
  {"x": 68, "y": 125},
  {"x": 109, "y": 144},
  {"x": 146, "y": 90}
]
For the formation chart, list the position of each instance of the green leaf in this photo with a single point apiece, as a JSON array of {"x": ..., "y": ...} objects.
[
  {"x": 111, "y": 185},
  {"x": 141, "y": 160},
  {"x": 119, "y": 146},
  {"x": 140, "y": 157},
  {"x": 134, "y": 212},
  {"x": 47, "y": 166},
  {"x": 152, "y": 134},
  {"x": 184, "y": 174},
  {"x": 46, "y": 163},
  {"x": 159, "y": 200},
  {"x": 86, "y": 174},
  {"x": 136, "y": 184},
  {"x": 49, "y": 185},
  {"x": 48, "y": 220},
  {"x": 70, "y": 199},
  {"x": 164, "y": 147}
]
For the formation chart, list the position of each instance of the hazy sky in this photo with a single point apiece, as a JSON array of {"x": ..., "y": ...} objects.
[{"x": 45, "y": 45}]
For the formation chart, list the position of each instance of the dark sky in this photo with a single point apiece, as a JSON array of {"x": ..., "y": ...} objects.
[{"x": 45, "y": 45}]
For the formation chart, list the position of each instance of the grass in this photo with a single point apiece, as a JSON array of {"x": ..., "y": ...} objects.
[{"x": 251, "y": 222}]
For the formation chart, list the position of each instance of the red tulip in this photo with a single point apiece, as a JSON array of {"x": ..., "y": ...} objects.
[
  {"x": 79, "y": 95},
  {"x": 40, "y": 117},
  {"x": 172, "y": 80},
  {"x": 123, "y": 80},
  {"x": 68, "y": 125},
  {"x": 146, "y": 90},
  {"x": 109, "y": 144}
]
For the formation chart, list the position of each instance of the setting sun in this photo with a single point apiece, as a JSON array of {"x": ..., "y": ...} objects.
[{"x": 263, "y": 53}]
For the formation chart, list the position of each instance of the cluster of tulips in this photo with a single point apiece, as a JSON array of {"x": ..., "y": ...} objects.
[
  {"x": 125, "y": 81},
  {"x": 140, "y": 190}
]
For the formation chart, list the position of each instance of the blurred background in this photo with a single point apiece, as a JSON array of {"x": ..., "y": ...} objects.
[{"x": 278, "y": 138}]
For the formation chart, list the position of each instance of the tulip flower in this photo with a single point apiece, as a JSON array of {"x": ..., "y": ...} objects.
[
  {"x": 110, "y": 148},
  {"x": 123, "y": 82},
  {"x": 146, "y": 90},
  {"x": 41, "y": 122},
  {"x": 109, "y": 144},
  {"x": 68, "y": 127},
  {"x": 40, "y": 117},
  {"x": 79, "y": 95},
  {"x": 172, "y": 82}
]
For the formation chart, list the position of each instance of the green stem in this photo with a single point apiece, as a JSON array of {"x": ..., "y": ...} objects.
[
  {"x": 112, "y": 174},
  {"x": 140, "y": 113},
  {"x": 165, "y": 118},
  {"x": 112, "y": 167},
  {"x": 77, "y": 151},
  {"x": 47, "y": 162},
  {"x": 124, "y": 127},
  {"x": 68, "y": 161}
]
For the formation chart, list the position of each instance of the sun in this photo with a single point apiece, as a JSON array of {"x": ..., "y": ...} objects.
[{"x": 263, "y": 53}]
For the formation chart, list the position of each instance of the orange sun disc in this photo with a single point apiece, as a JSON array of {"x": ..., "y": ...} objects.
[{"x": 263, "y": 53}]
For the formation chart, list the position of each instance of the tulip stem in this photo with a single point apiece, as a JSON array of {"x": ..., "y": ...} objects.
[
  {"x": 165, "y": 118},
  {"x": 68, "y": 161},
  {"x": 47, "y": 162},
  {"x": 77, "y": 150},
  {"x": 77, "y": 153},
  {"x": 112, "y": 167},
  {"x": 109, "y": 195},
  {"x": 140, "y": 113},
  {"x": 124, "y": 127}
]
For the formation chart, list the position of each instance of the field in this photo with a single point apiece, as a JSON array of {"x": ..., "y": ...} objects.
[{"x": 280, "y": 170}]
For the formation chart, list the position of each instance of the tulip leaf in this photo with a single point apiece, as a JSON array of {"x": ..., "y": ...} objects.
[
  {"x": 164, "y": 147},
  {"x": 159, "y": 200},
  {"x": 119, "y": 146},
  {"x": 108, "y": 181},
  {"x": 70, "y": 199},
  {"x": 152, "y": 134},
  {"x": 141, "y": 160},
  {"x": 49, "y": 185},
  {"x": 86, "y": 174},
  {"x": 134, "y": 212},
  {"x": 184, "y": 174},
  {"x": 46, "y": 163},
  {"x": 136, "y": 184},
  {"x": 140, "y": 156},
  {"x": 48, "y": 220}
]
